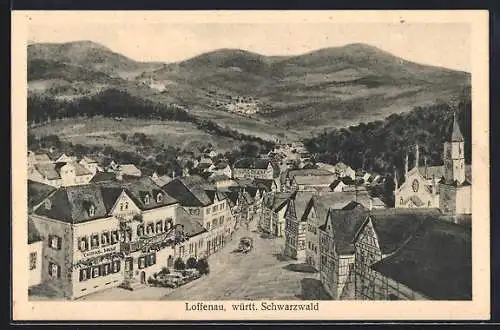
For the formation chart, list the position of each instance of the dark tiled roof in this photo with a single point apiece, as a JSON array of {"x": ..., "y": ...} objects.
[
  {"x": 394, "y": 226},
  {"x": 139, "y": 188},
  {"x": 191, "y": 191},
  {"x": 252, "y": 163},
  {"x": 435, "y": 262},
  {"x": 345, "y": 223},
  {"x": 80, "y": 169},
  {"x": 37, "y": 192},
  {"x": 301, "y": 200},
  {"x": 278, "y": 201},
  {"x": 191, "y": 226},
  {"x": 265, "y": 183},
  {"x": 48, "y": 171},
  {"x": 33, "y": 234},
  {"x": 71, "y": 204},
  {"x": 103, "y": 176},
  {"x": 305, "y": 172}
]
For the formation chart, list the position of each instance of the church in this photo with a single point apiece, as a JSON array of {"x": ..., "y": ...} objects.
[{"x": 447, "y": 187}]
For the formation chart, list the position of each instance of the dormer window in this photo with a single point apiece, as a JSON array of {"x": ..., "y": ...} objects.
[
  {"x": 92, "y": 210},
  {"x": 159, "y": 198},
  {"x": 146, "y": 199},
  {"x": 48, "y": 204}
]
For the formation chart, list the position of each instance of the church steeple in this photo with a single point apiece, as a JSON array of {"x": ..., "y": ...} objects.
[
  {"x": 454, "y": 161},
  {"x": 456, "y": 134}
]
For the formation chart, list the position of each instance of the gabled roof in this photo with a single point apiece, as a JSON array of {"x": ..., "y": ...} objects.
[
  {"x": 37, "y": 192},
  {"x": 48, "y": 171},
  {"x": 305, "y": 172},
  {"x": 314, "y": 179},
  {"x": 41, "y": 158},
  {"x": 278, "y": 201},
  {"x": 138, "y": 188},
  {"x": 264, "y": 183},
  {"x": 301, "y": 200},
  {"x": 191, "y": 226},
  {"x": 80, "y": 169},
  {"x": 395, "y": 225},
  {"x": 162, "y": 180},
  {"x": 191, "y": 191},
  {"x": 440, "y": 253},
  {"x": 103, "y": 176},
  {"x": 345, "y": 222},
  {"x": 88, "y": 160},
  {"x": 33, "y": 233},
  {"x": 71, "y": 204},
  {"x": 219, "y": 177},
  {"x": 129, "y": 168},
  {"x": 252, "y": 163}
]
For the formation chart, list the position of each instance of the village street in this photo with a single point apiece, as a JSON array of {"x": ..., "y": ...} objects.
[{"x": 263, "y": 273}]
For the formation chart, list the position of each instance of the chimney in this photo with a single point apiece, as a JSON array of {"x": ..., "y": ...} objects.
[
  {"x": 417, "y": 160},
  {"x": 406, "y": 165}
]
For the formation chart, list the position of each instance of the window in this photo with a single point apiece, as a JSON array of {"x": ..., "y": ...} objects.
[
  {"x": 114, "y": 237},
  {"x": 214, "y": 208},
  {"x": 84, "y": 274},
  {"x": 48, "y": 204},
  {"x": 95, "y": 272},
  {"x": 121, "y": 206},
  {"x": 208, "y": 225},
  {"x": 168, "y": 223},
  {"x": 142, "y": 262},
  {"x": 83, "y": 244},
  {"x": 116, "y": 266},
  {"x": 221, "y": 220},
  {"x": 140, "y": 230},
  {"x": 91, "y": 211},
  {"x": 159, "y": 226},
  {"x": 55, "y": 242},
  {"x": 159, "y": 198},
  {"x": 129, "y": 264},
  {"x": 33, "y": 260},
  {"x": 208, "y": 210},
  {"x": 94, "y": 241},
  {"x": 54, "y": 270},
  {"x": 151, "y": 259},
  {"x": 126, "y": 205},
  {"x": 150, "y": 229},
  {"x": 105, "y": 269},
  {"x": 105, "y": 238},
  {"x": 146, "y": 199},
  {"x": 401, "y": 201}
]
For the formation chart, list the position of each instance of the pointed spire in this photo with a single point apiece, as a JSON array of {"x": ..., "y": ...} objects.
[{"x": 456, "y": 134}]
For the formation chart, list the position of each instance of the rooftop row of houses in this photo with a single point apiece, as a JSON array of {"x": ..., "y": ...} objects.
[
  {"x": 367, "y": 252},
  {"x": 88, "y": 237}
]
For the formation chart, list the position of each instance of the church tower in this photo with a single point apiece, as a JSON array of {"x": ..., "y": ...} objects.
[{"x": 454, "y": 161}]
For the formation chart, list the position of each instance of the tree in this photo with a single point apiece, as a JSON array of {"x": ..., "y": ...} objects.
[
  {"x": 203, "y": 266},
  {"x": 191, "y": 263},
  {"x": 179, "y": 264}
]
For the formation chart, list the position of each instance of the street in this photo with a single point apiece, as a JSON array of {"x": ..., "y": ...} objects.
[{"x": 263, "y": 273}]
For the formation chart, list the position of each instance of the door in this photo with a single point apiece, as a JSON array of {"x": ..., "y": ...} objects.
[
  {"x": 143, "y": 277},
  {"x": 170, "y": 262}
]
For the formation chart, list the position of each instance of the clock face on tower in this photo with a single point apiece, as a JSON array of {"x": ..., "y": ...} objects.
[{"x": 414, "y": 185}]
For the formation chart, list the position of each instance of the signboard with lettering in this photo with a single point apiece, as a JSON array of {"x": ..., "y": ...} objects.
[{"x": 93, "y": 253}]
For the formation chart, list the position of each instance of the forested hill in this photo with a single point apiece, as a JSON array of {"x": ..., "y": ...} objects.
[{"x": 381, "y": 145}]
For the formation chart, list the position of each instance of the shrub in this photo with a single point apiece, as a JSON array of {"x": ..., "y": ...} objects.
[
  {"x": 191, "y": 263},
  {"x": 203, "y": 266},
  {"x": 179, "y": 264}
]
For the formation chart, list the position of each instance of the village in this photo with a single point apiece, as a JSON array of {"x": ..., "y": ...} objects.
[{"x": 310, "y": 230}]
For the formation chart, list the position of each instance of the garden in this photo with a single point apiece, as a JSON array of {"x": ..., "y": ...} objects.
[{"x": 182, "y": 273}]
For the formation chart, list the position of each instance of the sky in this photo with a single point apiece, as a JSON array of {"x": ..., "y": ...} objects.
[{"x": 440, "y": 44}]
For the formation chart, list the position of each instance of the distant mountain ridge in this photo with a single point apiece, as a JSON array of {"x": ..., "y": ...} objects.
[{"x": 325, "y": 88}]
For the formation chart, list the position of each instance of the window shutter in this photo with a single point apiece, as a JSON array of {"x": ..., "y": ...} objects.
[
  {"x": 50, "y": 268},
  {"x": 118, "y": 265},
  {"x": 153, "y": 259},
  {"x": 59, "y": 243},
  {"x": 58, "y": 271},
  {"x": 50, "y": 240}
]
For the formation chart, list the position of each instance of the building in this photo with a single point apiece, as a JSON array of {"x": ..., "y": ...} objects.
[
  {"x": 221, "y": 169},
  {"x": 253, "y": 168},
  {"x": 60, "y": 174},
  {"x": 312, "y": 183},
  {"x": 37, "y": 192},
  {"x": 381, "y": 234},
  {"x": 160, "y": 180},
  {"x": 455, "y": 186},
  {"x": 34, "y": 159},
  {"x": 90, "y": 164},
  {"x": 273, "y": 213},
  {"x": 268, "y": 185},
  {"x": 440, "y": 253},
  {"x": 446, "y": 187},
  {"x": 342, "y": 170},
  {"x": 128, "y": 170},
  {"x": 288, "y": 176},
  {"x": 296, "y": 225},
  {"x": 336, "y": 249},
  {"x": 222, "y": 181},
  {"x": 98, "y": 236},
  {"x": 206, "y": 205},
  {"x": 35, "y": 253}
]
